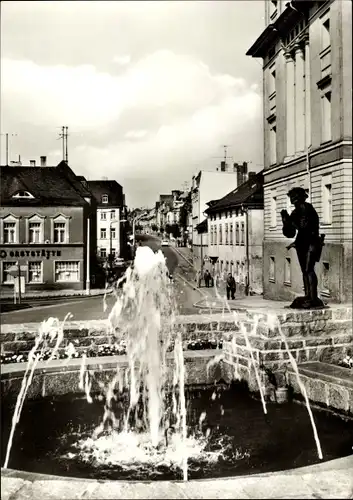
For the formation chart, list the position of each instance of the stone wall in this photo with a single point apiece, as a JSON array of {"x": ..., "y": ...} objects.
[{"x": 250, "y": 339}]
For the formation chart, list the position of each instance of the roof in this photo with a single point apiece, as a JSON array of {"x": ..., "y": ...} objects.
[
  {"x": 202, "y": 227},
  {"x": 250, "y": 194},
  {"x": 112, "y": 188},
  {"x": 47, "y": 185},
  {"x": 74, "y": 180}
]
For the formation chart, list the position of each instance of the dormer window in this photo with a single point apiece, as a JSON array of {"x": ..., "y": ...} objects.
[
  {"x": 23, "y": 194},
  {"x": 105, "y": 198}
]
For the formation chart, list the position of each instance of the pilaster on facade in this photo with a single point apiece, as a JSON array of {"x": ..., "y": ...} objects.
[
  {"x": 307, "y": 93},
  {"x": 290, "y": 102},
  {"x": 299, "y": 98}
]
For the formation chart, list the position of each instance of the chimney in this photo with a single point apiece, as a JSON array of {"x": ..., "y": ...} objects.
[
  {"x": 223, "y": 166},
  {"x": 43, "y": 161},
  {"x": 32, "y": 163}
]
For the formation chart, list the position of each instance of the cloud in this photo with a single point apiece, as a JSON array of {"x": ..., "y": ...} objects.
[
  {"x": 122, "y": 60},
  {"x": 162, "y": 115}
]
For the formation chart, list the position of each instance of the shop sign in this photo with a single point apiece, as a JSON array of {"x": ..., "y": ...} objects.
[{"x": 47, "y": 254}]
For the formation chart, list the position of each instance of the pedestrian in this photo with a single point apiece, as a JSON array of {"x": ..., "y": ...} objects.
[
  {"x": 231, "y": 287},
  {"x": 207, "y": 278}
]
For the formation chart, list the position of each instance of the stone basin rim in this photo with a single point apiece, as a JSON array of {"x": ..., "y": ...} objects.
[{"x": 334, "y": 464}]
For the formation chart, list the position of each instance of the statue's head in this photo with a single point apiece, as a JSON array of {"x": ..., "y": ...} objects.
[{"x": 297, "y": 195}]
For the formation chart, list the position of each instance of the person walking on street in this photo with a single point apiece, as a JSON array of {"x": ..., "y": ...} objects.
[
  {"x": 207, "y": 278},
  {"x": 231, "y": 287}
]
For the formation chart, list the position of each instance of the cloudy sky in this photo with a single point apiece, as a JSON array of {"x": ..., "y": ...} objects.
[{"x": 150, "y": 91}]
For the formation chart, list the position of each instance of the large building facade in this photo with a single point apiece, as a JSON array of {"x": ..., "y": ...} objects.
[
  {"x": 306, "y": 49},
  {"x": 43, "y": 229}
]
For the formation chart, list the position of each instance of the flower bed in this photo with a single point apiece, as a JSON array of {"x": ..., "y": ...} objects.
[{"x": 116, "y": 349}]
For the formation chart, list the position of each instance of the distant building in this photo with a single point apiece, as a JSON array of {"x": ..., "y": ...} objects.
[
  {"x": 235, "y": 234},
  {"x": 208, "y": 186},
  {"x": 306, "y": 50},
  {"x": 109, "y": 198},
  {"x": 44, "y": 216}
]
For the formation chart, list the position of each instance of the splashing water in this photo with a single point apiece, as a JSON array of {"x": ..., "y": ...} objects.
[{"x": 50, "y": 330}]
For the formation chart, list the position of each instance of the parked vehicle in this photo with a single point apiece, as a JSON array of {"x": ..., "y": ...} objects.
[{"x": 165, "y": 243}]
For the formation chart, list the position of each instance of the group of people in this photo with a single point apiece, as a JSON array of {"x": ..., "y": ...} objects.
[{"x": 209, "y": 282}]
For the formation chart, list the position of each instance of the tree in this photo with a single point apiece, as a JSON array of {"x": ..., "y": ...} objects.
[
  {"x": 154, "y": 227},
  {"x": 175, "y": 230}
]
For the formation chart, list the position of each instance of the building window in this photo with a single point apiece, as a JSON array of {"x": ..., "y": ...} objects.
[
  {"x": 272, "y": 270},
  {"x": 35, "y": 274},
  {"x": 35, "y": 232},
  {"x": 237, "y": 235},
  {"x": 113, "y": 252},
  {"x": 103, "y": 234},
  {"x": 325, "y": 278},
  {"x": 325, "y": 31},
  {"x": 287, "y": 271},
  {"x": 211, "y": 235},
  {"x": 231, "y": 242},
  {"x": 112, "y": 233},
  {"x": 220, "y": 234},
  {"x": 7, "y": 278},
  {"x": 242, "y": 237},
  {"x": 226, "y": 227},
  {"x": 67, "y": 271},
  {"x": 112, "y": 214},
  {"x": 273, "y": 211},
  {"x": 105, "y": 198},
  {"x": 273, "y": 145},
  {"x": 103, "y": 252},
  {"x": 103, "y": 215},
  {"x": 289, "y": 206},
  {"x": 326, "y": 134},
  {"x": 59, "y": 232},
  {"x": 10, "y": 232},
  {"x": 215, "y": 234},
  {"x": 327, "y": 199}
]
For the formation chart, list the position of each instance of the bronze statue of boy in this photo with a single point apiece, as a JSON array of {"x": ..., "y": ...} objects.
[{"x": 304, "y": 223}]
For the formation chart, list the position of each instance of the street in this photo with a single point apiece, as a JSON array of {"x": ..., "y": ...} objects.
[{"x": 88, "y": 308}]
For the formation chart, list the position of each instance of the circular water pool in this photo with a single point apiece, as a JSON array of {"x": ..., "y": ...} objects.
[{"x": 229, "y": 435}]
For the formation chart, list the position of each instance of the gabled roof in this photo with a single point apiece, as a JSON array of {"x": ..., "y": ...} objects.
[
  {"x": 111, "y": 188},
  {"x": 46, "y": 184},
  {"x": 250, "y": 194}
]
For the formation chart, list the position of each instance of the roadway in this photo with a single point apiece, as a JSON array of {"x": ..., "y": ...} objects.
[{"x": 90, "y": 308}]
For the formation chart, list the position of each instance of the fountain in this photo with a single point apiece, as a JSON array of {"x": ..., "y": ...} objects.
[{"x": 153, "y": 425}]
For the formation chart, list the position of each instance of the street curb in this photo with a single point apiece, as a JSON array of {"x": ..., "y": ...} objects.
[
  {"x": 57, "y": 296},
  {"x": 183, "y": 256}
]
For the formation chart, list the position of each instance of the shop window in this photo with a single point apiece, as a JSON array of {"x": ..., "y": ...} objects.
[
  {"x": 10, "y": 232},
  {"x": 35, "y": 273},
  {"x": 105, "y": 198},
  {"x": 103, "y": 215},
  {"x": 103, "y": 252},
  {"x": 7, "y": 278},
  {"x": 327, "y": 199},
  {"x": 272, "y": 270},
  {"x": 103, "y": 234},
  {"x": 67, "y": 271},
  {"x": 287, "y": 271}
]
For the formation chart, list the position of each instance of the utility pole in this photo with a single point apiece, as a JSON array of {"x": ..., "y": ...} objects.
[
  {"x": 64, "y": 135},
  {"x": 7, "y": 135}
]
